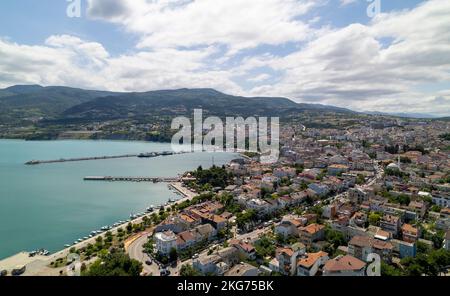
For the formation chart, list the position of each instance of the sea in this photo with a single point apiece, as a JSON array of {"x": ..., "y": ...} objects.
[{"x": 50, "y": 205}]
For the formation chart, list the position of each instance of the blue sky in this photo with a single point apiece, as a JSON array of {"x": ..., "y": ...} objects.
[{"x": 316, "y": 51}]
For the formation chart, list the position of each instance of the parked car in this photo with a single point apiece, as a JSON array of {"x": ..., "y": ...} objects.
[
  {"x": 3, "y": 273},
  {"x": 164, "y": 272},
  {"x": 149, "y": 262},
  {"x": 18, "y": 270}
]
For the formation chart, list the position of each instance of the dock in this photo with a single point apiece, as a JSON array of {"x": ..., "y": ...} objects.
[
  {"x": 141, "y": 155},
  {"x": 133, "y": 179}
]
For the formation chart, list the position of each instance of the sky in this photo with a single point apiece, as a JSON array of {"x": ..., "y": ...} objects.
[{"x": 314, "y": 51}]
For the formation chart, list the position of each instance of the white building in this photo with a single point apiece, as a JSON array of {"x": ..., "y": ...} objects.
[{"x": 165, "y": 242}]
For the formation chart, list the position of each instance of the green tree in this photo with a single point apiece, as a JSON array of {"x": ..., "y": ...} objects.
[
  {"x": 114, "y": 264},
  {"x": 188, "y": 270},
  {"x": 374, "y": 219}
]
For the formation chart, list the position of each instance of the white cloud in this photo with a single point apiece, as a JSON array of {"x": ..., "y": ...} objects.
[
  {"x": 347, "y": 2},
  {"x": 389, "y": 63}
]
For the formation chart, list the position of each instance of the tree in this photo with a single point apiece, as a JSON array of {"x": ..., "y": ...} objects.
[
  {"x": 115, "y": 263},
  {"x": 188, "y": 270},
  {"x": 389, "y": 270},
  {"x": 173, "y": 255},
  {"x": 374, "y": 219}
]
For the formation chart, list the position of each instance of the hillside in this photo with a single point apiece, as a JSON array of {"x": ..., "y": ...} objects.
[
  {"x": 183, "y": 102},
  {"x": 64, "y": 104},
  {"x": 33, "y": 101}
]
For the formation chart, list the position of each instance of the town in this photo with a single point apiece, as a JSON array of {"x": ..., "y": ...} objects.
[{"x": 334, "y": 199}]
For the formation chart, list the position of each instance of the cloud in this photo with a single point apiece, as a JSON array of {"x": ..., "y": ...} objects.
[
  {"x": 399, "y": 61},
  {"x": 347, "y": 2},
  {"x": 235, "y": 23}
]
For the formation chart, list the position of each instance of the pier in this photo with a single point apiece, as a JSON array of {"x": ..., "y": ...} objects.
[
  {"x": 141, "y": 155},
  {"x": 133, "y": 179}
]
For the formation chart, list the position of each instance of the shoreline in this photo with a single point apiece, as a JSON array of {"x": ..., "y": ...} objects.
[{"x": 42, "y": 262}]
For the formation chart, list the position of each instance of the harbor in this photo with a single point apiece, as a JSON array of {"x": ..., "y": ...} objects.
[{"x": 37, "y": 263}]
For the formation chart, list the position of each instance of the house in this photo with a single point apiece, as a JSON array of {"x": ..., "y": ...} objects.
[
  {"x": 288, "y": 227},
  {"x": 285, "y": 172},
  {"x": 229, "y": 255},
  {"x": 287, "y": 258},
  {"x": 344, "y": 266},
  {"x": 337, "y": 169},
  {"x": 243, "y": 269},
  {"x": 418, "y": 207},
  {"x": 410, "y": 234},
  {"x": 329, "y": 211},
  {"x": 361, "y": 246},
  {"x": 319, "y": 189},
  {"x": 165, "y": 242},
  {"x": 245, "y": 249},
  {"x": 441, "y": 200},
  {"x": 357, "y": 196},
  {"x": 186, "y": 240},
  {"x": 309, "y": 264},
  {"x": 404, "y": 249},
  {"x": 205, "y": 232},
  {"x": 206, "y": 264},
  {"x": 311, "y": 233},
  {"x": 390, "y": 223}
]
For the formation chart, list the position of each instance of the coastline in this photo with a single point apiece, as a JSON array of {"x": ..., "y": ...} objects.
[{"x": 39, "y": 264}]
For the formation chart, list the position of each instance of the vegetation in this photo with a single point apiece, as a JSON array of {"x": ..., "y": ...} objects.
[
  {"x": 246, "y": 217},
  {"x": 188, "y": 270},
  {"x": 115, "y": 263},
  {"x": 265, "y": 247},
  {"x": 213, "y": 177}
]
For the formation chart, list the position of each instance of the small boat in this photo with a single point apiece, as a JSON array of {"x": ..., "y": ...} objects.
[
  {"x": 85, "y": 238},
  {"x": 67, "y": 246}
]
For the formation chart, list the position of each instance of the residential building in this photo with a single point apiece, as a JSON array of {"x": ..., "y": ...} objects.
[
  {"x": 410, "y": 234},
  {"x": 344, "y": 266},
  {"x": 361, "y": 246},
  {"x": 243, "y": 269},
  {"x": 311, "y": 233},
  {"x": 206, "y": 264},
  {"x": 390, "y": 224},
  {"x": 165, "y": 242},
  {"x": 309, "y": 264}
]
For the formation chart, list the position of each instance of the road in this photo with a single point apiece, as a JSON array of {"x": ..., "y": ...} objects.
[{"x": 136, "y": 251}]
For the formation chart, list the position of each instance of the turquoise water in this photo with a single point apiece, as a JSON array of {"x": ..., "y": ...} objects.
[{"x": 48, "y": 206}]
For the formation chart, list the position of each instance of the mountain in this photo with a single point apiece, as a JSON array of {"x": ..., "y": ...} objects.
[
  {"x": 24, "y": 101},
  {"x": 184, "y": 101},
  {"x": 67, "y": 104}
]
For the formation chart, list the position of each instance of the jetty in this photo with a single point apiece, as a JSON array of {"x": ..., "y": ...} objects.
[
  {"x": 133, "y": 179},
  {"x": 141, "y": 155}
]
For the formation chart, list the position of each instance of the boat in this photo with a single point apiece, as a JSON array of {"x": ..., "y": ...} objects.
[{"x": 67, "y": 246}]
